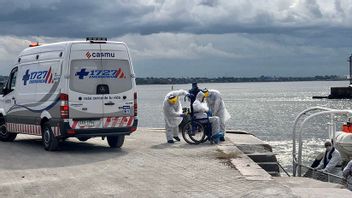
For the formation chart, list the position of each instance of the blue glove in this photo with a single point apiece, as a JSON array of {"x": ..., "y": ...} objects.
[{"x": 209, "y": 114}]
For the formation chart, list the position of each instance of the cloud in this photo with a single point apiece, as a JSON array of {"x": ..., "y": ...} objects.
[
  {"x": 10, "y": 48},
  {"x": 9, "y": 7},
  {"x": 213, "y": 55},
  {"x": 202, "y": 37},
  {"x": 174, "y": 46},
  {"x": 210, "y": 3},
  {"x": 63, "y": 18}
]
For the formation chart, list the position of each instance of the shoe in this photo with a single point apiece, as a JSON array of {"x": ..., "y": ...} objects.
[
  {"x": 170, "y": 141},
  {"x": 222, "y": 139},
  {"x": 177, "y": 138}
]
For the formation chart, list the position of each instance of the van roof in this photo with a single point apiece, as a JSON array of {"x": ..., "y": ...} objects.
[{"x": 59, "y": 46}]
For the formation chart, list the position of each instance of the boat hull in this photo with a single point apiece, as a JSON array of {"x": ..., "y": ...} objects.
[{"x": 343, "y": 143}]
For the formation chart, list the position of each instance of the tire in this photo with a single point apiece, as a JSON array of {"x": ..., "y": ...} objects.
[
  {"x": 6, "y": 136},
  {"x": 116, "y": 141},
  {"x": 185, "y": 120},
  {"x": 193, "y": 132},
  {"x": 50, "y": 142}
]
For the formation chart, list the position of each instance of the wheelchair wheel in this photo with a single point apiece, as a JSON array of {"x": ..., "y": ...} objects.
[
  {"x": 193, "y": 132},
  {"x": 206, "y": 138}
]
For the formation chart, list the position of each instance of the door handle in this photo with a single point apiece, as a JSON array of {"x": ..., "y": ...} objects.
[
  {"x": 109, "y": 103},
  {"x": 14, "y": 100}
]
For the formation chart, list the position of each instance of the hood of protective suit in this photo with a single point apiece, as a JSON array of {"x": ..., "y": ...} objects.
[
  {"x": 200, "y": 96},
  {"x": 217, "y": 105},
  {"x": 199, "y": 106}
]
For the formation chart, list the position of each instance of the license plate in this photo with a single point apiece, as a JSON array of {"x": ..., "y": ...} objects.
[{"x": 87, "y": 123}]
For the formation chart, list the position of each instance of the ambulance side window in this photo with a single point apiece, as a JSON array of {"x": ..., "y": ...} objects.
[
  {"x": 13, "y": 79},
  {"x": 11, "y": 83}
]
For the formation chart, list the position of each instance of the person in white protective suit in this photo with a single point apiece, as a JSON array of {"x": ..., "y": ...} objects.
[
  {"x": 173, "y": 115},
  {"x": 347, "y": 173},
  {"x": 217, "y": 108},
  {"x": 331, "y": 160},
  {"x": 201, "y": 109}
]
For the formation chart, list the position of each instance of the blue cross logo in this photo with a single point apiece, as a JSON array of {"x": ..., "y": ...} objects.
[
  {"x": 82, "y": 73},
  {"x": 26, "y": 77}
]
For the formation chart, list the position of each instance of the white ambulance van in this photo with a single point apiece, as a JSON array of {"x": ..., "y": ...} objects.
[{"x": 79, "y": 89}]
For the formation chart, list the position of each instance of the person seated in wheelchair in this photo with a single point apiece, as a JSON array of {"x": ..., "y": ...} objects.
[{"x": 201, "y": 111}]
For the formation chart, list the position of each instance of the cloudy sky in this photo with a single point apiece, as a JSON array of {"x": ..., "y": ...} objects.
[{"x": 193, "y": 38}]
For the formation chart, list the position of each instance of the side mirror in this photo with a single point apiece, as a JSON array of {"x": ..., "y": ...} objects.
[
  {"x": 2, "y": 88},
  {"x": 4, "y": 91}
]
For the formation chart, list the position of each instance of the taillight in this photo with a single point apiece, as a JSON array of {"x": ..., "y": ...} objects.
[
  {"x": 64, "y": 106},
  {"x": 71, "y": 131},
  {"x": 135, "y": 106},
  {"x": 133, "y": 129}
]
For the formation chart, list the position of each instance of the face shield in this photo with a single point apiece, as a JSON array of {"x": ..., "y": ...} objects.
[
  {"x": 172, "y": 99},
  {"x": 206, "y": 93}
]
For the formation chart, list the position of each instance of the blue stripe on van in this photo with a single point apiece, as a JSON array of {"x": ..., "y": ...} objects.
[{"x": 34, "y": 110}]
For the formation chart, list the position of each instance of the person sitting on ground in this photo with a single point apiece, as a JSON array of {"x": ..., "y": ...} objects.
[
  {"x": 347, "y": 173},
  {"x": 173, "y": 115},
  {"x": 331, "y": 160},
  {"x": 201, "y": 110},
  {"x": 217, "y": 108}
]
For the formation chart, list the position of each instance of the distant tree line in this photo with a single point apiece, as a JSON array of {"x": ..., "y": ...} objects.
[{"x": 154, "y": 80}]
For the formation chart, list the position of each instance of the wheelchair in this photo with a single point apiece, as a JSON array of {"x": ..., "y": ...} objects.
[{"x": 195, "y": 131}]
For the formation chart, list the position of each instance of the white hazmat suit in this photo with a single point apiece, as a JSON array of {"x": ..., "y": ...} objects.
[
  {"x": 217, "y": 107},
  {"x": 201, "y": 108},
  {"x": 330, "y": 161},
  {"x": 173, "y": 114}
]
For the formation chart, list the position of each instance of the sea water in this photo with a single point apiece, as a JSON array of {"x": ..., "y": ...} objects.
[{"x": 266, "y": 109}]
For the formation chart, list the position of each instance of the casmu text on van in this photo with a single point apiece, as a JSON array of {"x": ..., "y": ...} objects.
[{"x": 100, "y": 54}]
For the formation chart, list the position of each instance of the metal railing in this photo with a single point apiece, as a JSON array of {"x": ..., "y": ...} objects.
[
  {"x": 283, "y": 169},
  {"x": 322, "y": 176},
  {"x": 297, "y": 156}
]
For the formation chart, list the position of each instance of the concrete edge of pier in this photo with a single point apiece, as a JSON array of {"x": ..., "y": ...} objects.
[{"x": 242, "y": 145}]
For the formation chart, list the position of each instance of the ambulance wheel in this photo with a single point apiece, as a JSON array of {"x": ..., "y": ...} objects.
[
  {"x": 50, "y": 142},
  {"x": 6, "y": 136},
  {"x": 116, "y": 141}
]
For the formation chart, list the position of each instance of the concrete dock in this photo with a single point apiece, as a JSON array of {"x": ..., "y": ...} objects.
[{"x": 146, "y": 166}]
